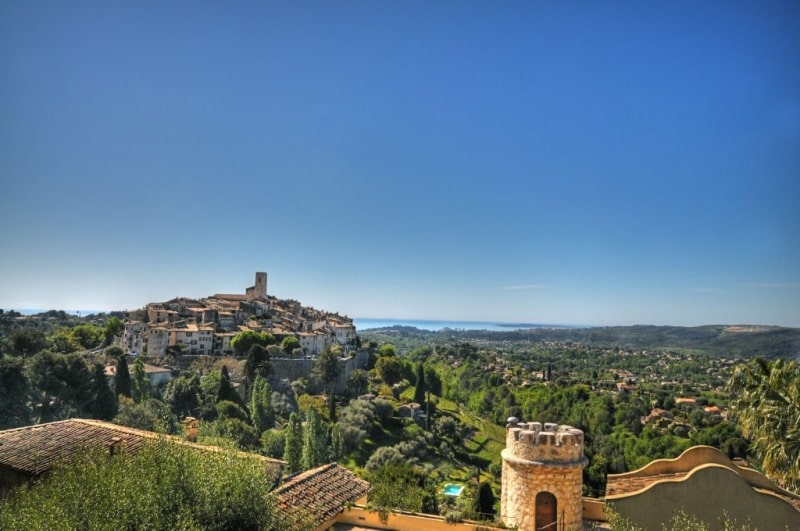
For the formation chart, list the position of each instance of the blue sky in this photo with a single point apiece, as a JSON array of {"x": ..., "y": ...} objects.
[{"x": 597, "y": 163}]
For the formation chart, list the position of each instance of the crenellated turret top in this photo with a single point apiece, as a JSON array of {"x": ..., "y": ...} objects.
[{"x": 547, "y": 443}]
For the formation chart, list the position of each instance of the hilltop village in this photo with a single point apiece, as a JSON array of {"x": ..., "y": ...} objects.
[{"x": 206, "y": 326}]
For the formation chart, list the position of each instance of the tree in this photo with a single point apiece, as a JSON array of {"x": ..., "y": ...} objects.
[
  {"x": 141, "y": 383},
  {"x": 326, "y": 372},
  {"x": 419, "y": 389},
  {"x": 387, "y": 350},
  {"x": 289, "y": 345},
  {"x": 242, "y": 435},
  {"x": 242, "y": 341},
  {"x": 293, "y": 446},
  {"x": 767, "y": 406},
  {"x": 112, "y": 328},
  {"x": 62, "y": 342},
  {"x": 357, "y": 381},
  {"x": 390, "y": 369},
  {"x": 25, "y": 342},
  {"x": 87, "y": 336},
  {"x": 230, "y": 410},
  {"x": 122, "y": 378},
  {"x": 261, "y": 413},
  {"x": 14, "y": 392},
  {"x": 315, "y": 442},
  {"x": 226, "y": 390},
  {"x": 103, "y": 403},
  {"x": 483, "y": 504},
  {"x": 61, "y": 385},
  {"x": 149, "y": 414},
  {"x": 113, "y": 352},
  {"x": 337, "y": 442},
  {"x": 397, "y": 485},
  {"x": 383, "y": 456},
  {"x": 184, "y": 395},
  {"x": 433, "y": 382},
  {"x": 257, "y": 364},
  {"x": 165, "y": 486}
]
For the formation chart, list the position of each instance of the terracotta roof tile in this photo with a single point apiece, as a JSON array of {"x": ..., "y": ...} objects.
[
  {"x": 318, "y": 494},
  {"x": 35, "y": 449}
]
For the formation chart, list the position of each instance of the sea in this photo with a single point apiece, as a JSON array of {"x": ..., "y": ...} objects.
[
  {"x": 34, "y": 311},
  {"x": 363, "y": 323},
  {"x": 367, "y": 323}
]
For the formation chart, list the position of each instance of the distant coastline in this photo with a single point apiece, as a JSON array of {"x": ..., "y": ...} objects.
[
  {"x": 34, "y": 311},
  {"x": 362, "y": 323}
]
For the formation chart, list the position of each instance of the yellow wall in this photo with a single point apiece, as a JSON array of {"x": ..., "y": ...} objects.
[
  {"x": 710, "y": 492},
  {"x": 406, "y": 522},
  {"x": 594, "y": 510}
]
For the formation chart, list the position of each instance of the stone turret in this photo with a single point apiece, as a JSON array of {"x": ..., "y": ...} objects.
[{"x": 542, "y": 476}]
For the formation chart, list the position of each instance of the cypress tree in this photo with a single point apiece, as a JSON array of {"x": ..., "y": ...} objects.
[
  {"x": 483, "y": 504},
  {"x": 141, "y": 383},
  {"x": 337, "y": 442},
  {"x": 122, "y": 378},
  {"x": 104, "y": 404},
  {"x": 293, "y": 446},
  {"x": 226, "y": 390},
  {"x": 419, "y": 390},
  {"x": 261, "y": 412},
  {"x": 315, "y": 444}
]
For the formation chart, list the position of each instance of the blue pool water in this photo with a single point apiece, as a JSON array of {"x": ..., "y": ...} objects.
[{"x": 453, "y": 490}]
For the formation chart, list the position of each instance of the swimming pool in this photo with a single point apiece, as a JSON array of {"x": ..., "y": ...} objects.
[{"x": 453, "y": 490}]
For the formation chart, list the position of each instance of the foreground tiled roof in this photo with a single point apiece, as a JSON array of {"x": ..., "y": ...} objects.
[
  {"x": 35, "y": 449},
  {"x": 318, "y": 494}
]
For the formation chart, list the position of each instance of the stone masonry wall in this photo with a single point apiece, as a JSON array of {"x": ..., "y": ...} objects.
[{"x": 542, "y": 458}]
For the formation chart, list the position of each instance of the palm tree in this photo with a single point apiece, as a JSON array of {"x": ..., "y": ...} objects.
[{"x": 767, "y": 406}]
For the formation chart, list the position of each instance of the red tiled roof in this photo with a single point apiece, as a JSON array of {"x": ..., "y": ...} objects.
[
  {"x": 318, "y": 494},
  {"x": 35, "y": 449},
  {"x": 616, "y": 486}
]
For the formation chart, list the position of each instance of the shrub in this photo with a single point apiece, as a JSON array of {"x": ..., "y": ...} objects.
[
  {"x": 273, "y": 443},
  {"x": 163, "y": 486},
  {"x": 385, "y": 455}
]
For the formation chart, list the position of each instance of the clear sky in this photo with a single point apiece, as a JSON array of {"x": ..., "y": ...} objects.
[{"x": 596, "y": 163}]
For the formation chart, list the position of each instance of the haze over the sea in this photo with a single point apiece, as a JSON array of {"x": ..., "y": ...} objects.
[{"x": 435, "y": 326}]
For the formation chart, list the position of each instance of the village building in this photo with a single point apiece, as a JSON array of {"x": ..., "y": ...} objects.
[
  {"x": 134, "y": 337},
  {"x": 158, "y": 376}
]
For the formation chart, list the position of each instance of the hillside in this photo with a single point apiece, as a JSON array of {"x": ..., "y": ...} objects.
[{"x": 741, "y": 341}]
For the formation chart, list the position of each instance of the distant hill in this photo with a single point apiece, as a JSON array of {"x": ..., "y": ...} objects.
[{"x": 740, "y": 341}]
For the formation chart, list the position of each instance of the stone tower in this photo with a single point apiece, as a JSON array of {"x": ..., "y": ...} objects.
[
  {"x": 261, "y": 285},
  {"x": 542, "y": 476}
]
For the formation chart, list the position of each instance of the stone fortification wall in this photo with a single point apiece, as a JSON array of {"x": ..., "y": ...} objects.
[
  {"x": 292, "y": 369},
  {"x": 542, "y": 458}
]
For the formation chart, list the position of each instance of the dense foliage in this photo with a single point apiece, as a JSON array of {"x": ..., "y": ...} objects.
[
  {"x": 163, "y": 486},
  {"x": 767, "y": 405},
  {"x": 634, "y": 404}
]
